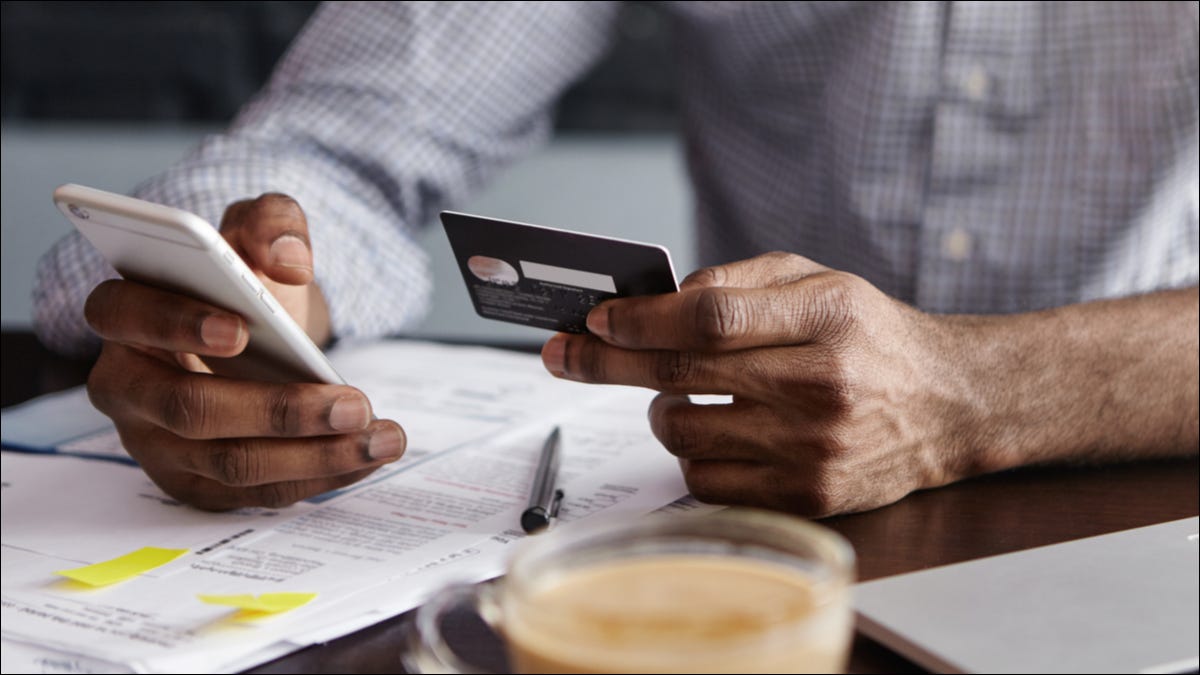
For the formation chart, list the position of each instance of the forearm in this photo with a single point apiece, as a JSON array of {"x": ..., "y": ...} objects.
[
  {"x": 1097, "y": 381},
  {"x": 373, "y": 122},
  {"x": 358, "y": 249}
]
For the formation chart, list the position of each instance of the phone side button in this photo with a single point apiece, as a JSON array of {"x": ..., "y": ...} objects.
[
  {"x": 228, "y": 256},
  {"x": 268, "y": 300},
  {"x": 253, "y": 284}
]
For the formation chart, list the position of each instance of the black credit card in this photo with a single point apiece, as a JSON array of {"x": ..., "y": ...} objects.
[{"x": 549, "y": 278}]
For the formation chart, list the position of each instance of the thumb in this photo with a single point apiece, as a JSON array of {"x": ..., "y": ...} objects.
[{"x": 271, "y": 234}]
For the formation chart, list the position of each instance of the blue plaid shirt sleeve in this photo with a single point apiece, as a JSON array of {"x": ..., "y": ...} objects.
[{"x": 379, "y": 116}]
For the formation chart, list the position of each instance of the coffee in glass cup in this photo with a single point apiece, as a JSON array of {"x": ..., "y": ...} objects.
[{"x": 738, "y": 590}]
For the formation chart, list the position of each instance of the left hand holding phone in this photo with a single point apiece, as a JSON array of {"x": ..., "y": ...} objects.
[{"x": 219, "y": 442}]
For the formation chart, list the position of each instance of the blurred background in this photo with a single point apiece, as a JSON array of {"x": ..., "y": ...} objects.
[{"x": 108, "y": 93}]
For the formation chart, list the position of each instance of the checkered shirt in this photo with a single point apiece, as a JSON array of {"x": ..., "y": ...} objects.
[{"x": 982, "y": 157}]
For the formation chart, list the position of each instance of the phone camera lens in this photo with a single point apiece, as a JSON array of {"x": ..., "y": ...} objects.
[{"x": 78, "y": 212}]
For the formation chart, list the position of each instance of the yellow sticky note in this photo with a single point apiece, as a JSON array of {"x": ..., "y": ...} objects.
[
  {"x": 266, "y": 603},
  {"x": 124, "y": 567}
]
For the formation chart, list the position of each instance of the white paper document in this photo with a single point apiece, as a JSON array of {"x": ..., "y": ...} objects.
[{"x": 449, "y": 510}]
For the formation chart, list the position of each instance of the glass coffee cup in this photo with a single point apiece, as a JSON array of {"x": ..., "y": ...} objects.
[{"x": 737, "y": 590}]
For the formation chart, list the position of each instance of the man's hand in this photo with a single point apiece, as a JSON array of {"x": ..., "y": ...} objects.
[
  {"x": 221, "y": 443},
  {"x": 837, "y": 402},
  {"x": 845, "y": 399}
]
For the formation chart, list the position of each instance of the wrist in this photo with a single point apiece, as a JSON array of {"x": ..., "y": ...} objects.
[
  {"x": 971, "y": 369},
  {"x": 1105, "y": 380}
]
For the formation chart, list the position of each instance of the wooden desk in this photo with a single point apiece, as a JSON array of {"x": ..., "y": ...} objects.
[{"x": 981, "y": 517}]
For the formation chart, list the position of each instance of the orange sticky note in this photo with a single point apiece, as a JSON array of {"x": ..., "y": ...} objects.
[
  {"x": 124, "y": 567},
  {"x": 265, "y": 603}
]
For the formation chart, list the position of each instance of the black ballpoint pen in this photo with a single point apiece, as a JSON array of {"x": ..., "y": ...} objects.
[{"x": 544, "y": 497}]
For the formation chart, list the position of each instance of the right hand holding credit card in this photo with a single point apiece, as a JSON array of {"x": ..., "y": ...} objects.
[{"x": 549, "y": 278}]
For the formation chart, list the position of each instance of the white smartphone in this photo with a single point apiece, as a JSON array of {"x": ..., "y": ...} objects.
[{"x": 178, "y": 251}]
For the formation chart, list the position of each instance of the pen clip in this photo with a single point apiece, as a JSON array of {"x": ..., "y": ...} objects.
[
  {"x": 555, "y": 504},
  {"x": 544, "y": 498},
  {"x": 537, "y": 518}
]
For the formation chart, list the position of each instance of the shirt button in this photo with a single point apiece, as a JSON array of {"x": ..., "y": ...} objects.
[
  {"x": 975, "y": 84},
  {"x": 956, "y": 244}
]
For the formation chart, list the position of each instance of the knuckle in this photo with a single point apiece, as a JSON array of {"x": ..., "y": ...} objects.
[
  {"x": 234, "y": 213},
  {"x": 335, "y": 455},
  {"x": 237, "y": 464},
  {"x": 720, "y": 317},
  {"x": 811, "y": 493},
  {"x": 183, "y": 328},
  {"x": 584, "y": 358},
  {"x": 675, "y": 368},
  {"x": 183, "y": 408},
  {"x": 787, "y": 266},
  {"x": 706, "y": 277},
  {"x": 279, "y": 205},
  {"x": 780, "y": 257},
  {"x": 833, "y": 385},
  {"x": 832, "y": 450},
  {"x": 824, "y": 489},
  {"x": 839, "y": 299},
  {"x": 284, "y": 411},
  {"x": 816, "y": 387},
  {"x": 843, "y": 390},
  {"x": 778, "y": 267}
]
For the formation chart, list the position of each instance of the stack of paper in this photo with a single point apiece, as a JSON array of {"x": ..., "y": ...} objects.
[{"x": 448, "y": 511}]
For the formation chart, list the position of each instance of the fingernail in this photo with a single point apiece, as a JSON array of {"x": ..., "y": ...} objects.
[
  {"x": 349, "y": 413},
  {"x": 221, "y": 331},
  {"x": 554, "y": 355},
  {"x": 290, "y": 251},
  {"x": 387, "y": 443},
  {"x": 597, "y": 321}
]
